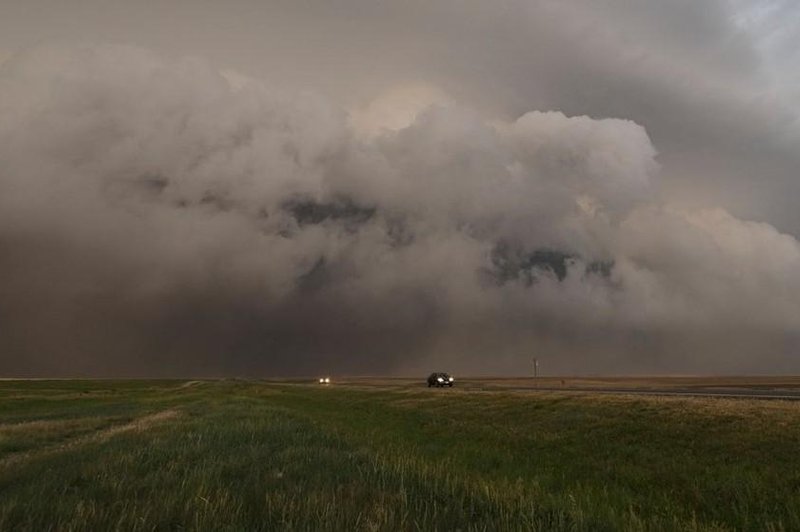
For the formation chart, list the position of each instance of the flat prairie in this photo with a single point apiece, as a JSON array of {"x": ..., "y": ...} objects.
[{"x": 391, "y": 454}]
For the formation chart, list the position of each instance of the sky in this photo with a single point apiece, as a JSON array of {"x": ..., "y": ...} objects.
[{"x": 285, "y": 188}]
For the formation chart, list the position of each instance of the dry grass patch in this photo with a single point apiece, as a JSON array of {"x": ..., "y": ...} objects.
[{"x": 137, "y": 425}]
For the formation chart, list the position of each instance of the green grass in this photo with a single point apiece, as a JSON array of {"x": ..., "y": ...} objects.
[{"x": 235, "y": 455}]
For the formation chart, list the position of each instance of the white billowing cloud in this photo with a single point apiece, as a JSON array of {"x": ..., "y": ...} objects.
[
  {"x": 396, "y": 108},
  {"x": 714, "y": 82},
  {"x": 609, "y": 160},
  {"x": 155, "y": 192},
  {"x": 713, "y": 268}
]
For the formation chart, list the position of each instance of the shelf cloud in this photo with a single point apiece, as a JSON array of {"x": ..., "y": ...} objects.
[{"x": 161, "y": 215}]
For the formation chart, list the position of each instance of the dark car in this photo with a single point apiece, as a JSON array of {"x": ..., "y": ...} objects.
[{"x": 440, "y": 379}]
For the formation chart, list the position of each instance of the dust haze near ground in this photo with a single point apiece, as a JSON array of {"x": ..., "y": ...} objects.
[{"x": 167, "y": 212}]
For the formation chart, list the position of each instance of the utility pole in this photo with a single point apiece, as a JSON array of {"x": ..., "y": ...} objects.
[{"x": 536, "y": 372}]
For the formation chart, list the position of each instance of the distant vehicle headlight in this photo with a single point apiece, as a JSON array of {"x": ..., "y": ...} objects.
[
  {"x": 451, "y": 379},
  {"x": 439, "y": 379},
  {"x": 327, "y": 380},
  {"x": 321, "y": 381}
]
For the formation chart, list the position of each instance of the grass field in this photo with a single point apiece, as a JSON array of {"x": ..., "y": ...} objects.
[{"x": 242, "y": 455}]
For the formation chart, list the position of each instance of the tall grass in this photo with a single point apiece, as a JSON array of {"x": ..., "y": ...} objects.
[{"x": 254, "y": 456}]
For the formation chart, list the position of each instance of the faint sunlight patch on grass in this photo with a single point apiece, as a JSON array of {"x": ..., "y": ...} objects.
[{"x": 98, "y": 436}]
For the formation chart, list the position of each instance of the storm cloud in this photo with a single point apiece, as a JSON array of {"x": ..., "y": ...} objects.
[{"x": 161, "y": 215}]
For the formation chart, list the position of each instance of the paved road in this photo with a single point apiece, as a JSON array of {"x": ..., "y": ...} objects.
[
  {"x": 728, "y": 393},
  {"x": 741, "y": 393}
]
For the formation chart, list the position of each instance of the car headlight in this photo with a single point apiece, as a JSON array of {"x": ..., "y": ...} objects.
[
  {"x": 439, "y": 379},
  {"x": 327, "y": 380},
  {"x": 321, "y": 381},
  {"x": 451, "y": 379}
]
